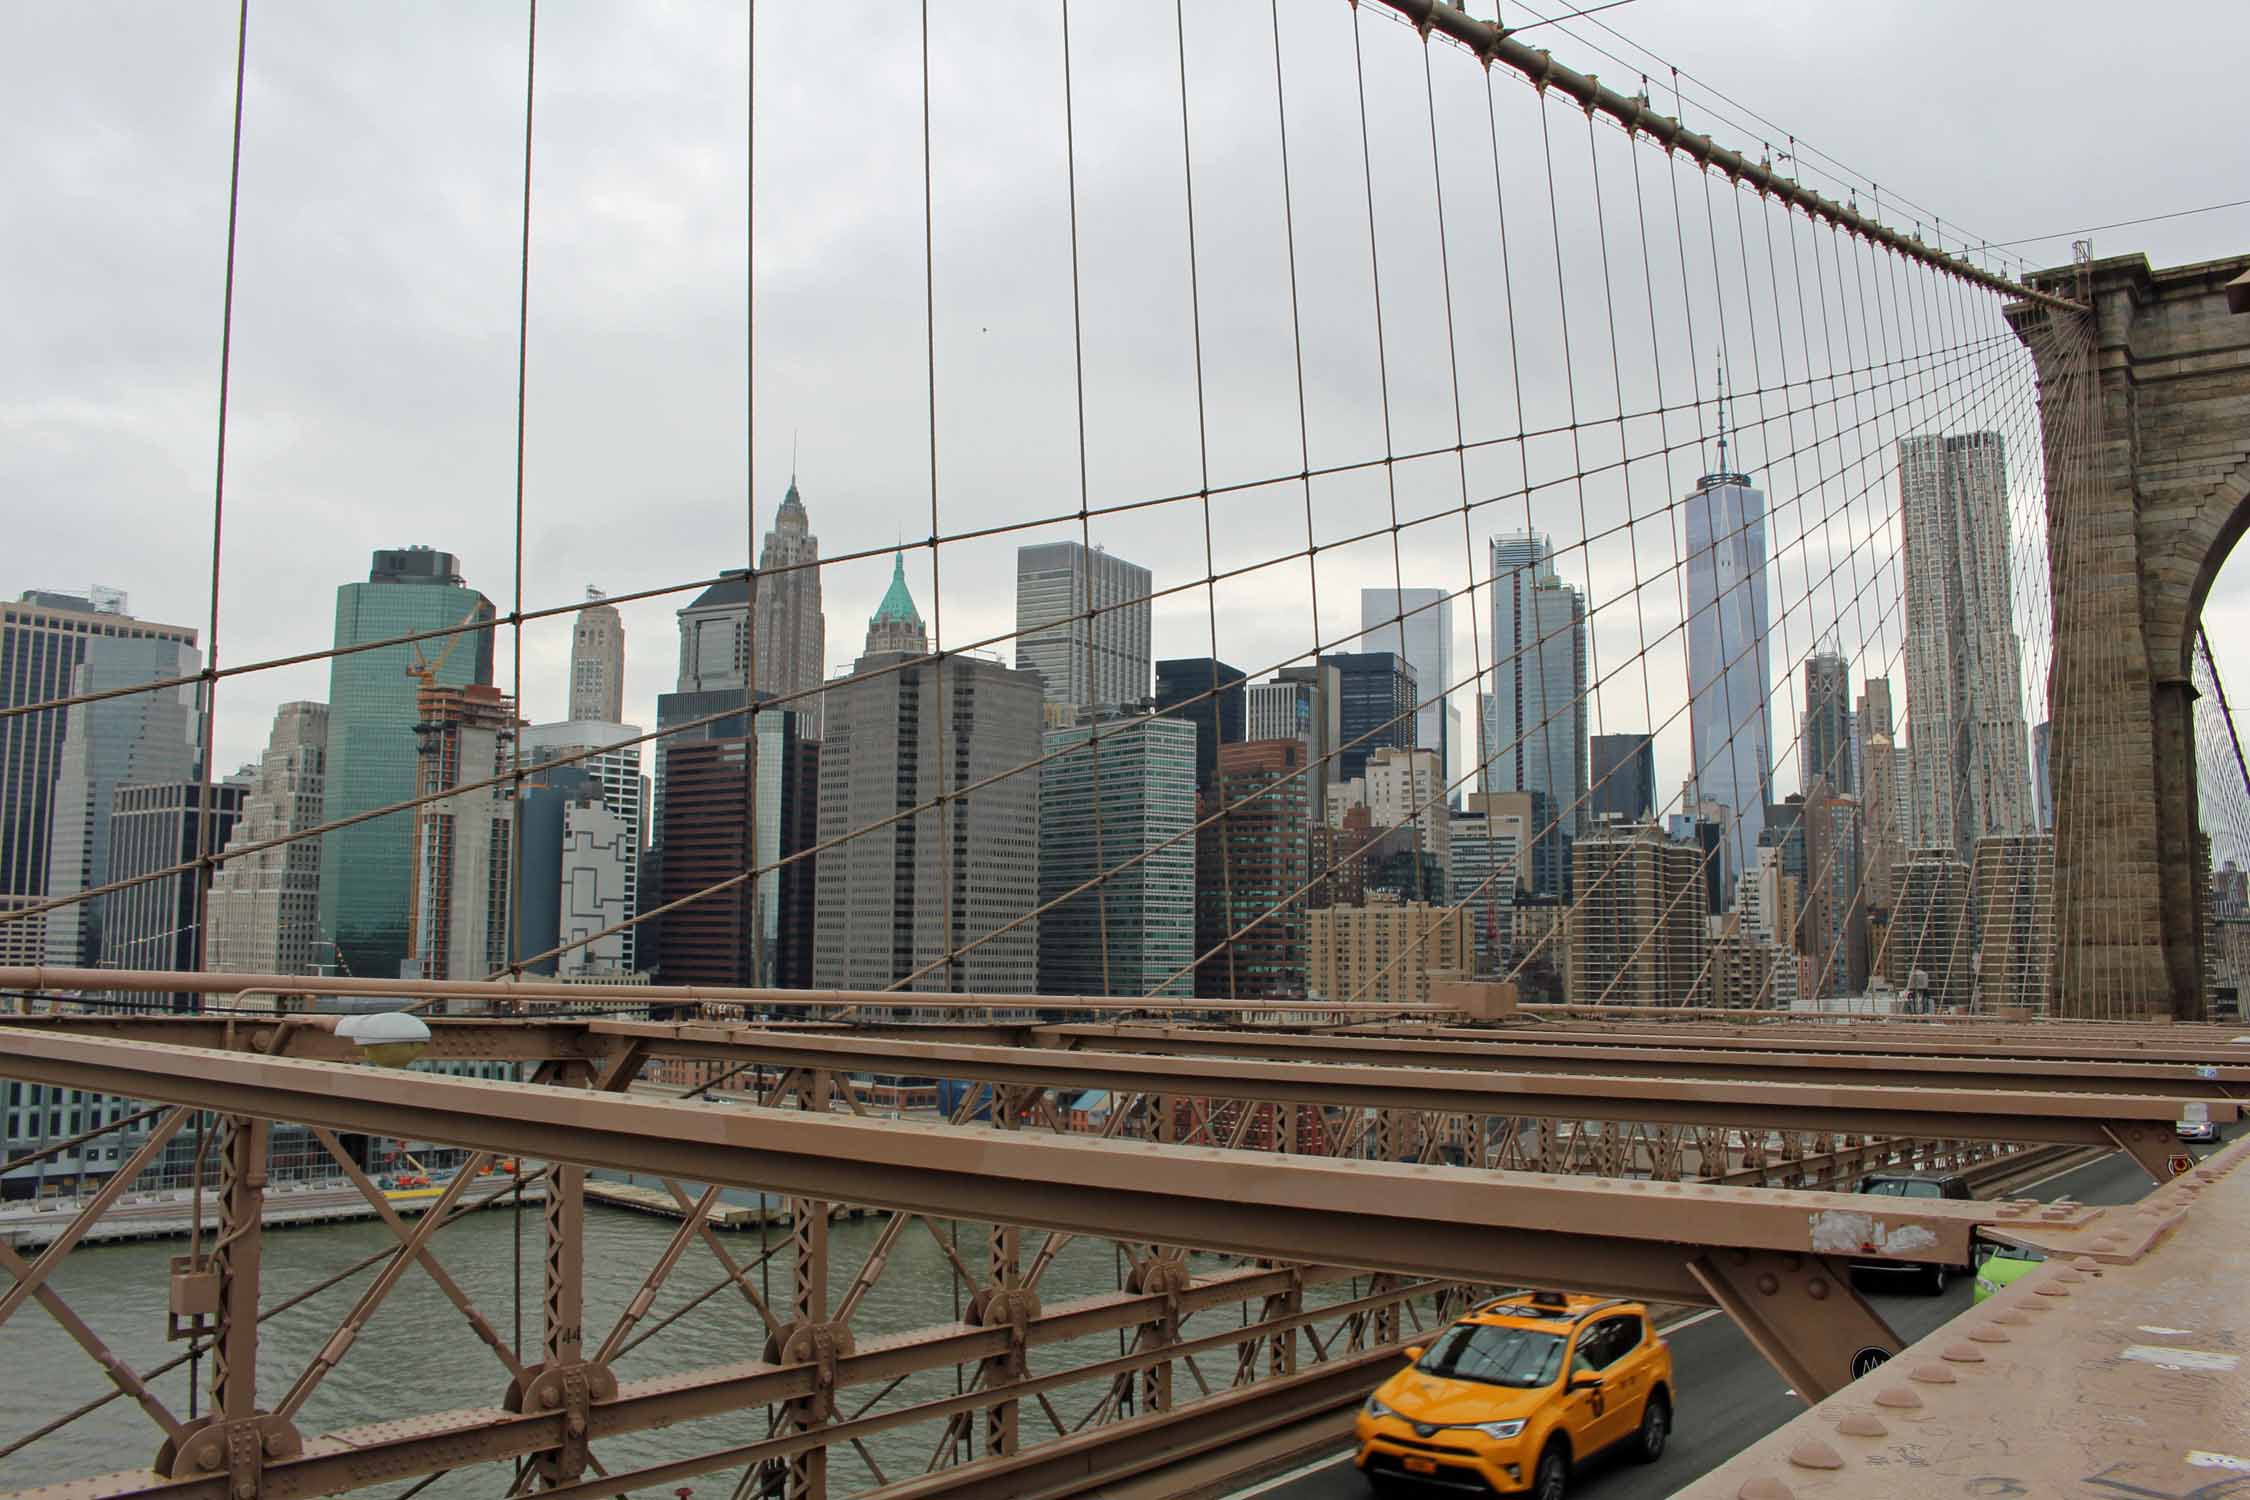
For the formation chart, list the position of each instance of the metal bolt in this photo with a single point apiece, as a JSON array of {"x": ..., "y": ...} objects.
[
  {"x": 1763, "y": 1488},
  {"x": 549, "y": 1396},
  {"x": 274, "y": 1443},
  {"x": 246, "y": 1488},
  {"x": 1769, "y": 1283},
  {"x": 207, "y": 1454},
  {"x": 1815, "y": 1454},
  {"x": 1817, "y": 1289}
]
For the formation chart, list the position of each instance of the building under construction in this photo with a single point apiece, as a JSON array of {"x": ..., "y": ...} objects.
[{"x": 463, "y": 737}]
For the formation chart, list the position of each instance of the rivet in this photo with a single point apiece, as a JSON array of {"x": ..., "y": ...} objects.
[
  {"x": 1741, "y": 1257},
  {"x": 1769, "y": 1283},
  {"x": 2012, "y": 1315},
  {"x": 1763, "y": 1488},
  {"x": 275, "y": 1442},
  {"x": 208, "y": 1454},
  {"x": 1898, "y": 1398},
  {"x": 2052, "y": 1290},
  {"x": 1932, "y": 1375},
  {"x": 1963, "y": 1354},
  {"x": 1817, "y": 1289},
  {"x": 1989, "y": 1335},
  {"x": 1863, "y": 1424},
  {"x": 2065, "y": 1273},
  {"x": 1815, "y": 1455}
]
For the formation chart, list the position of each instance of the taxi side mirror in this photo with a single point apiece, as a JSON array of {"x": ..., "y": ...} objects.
[
  {"x": 1585, "y": 1382},
  {"x": 1414, "y": 1353}
]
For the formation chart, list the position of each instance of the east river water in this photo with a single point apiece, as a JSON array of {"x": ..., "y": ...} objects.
[{"x": 418, "y": 1353}]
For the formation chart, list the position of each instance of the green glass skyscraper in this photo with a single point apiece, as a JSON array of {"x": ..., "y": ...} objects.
[{"x": 366, "y": 870}]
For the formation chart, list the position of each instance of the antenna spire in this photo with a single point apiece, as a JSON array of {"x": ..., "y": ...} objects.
[{"x": 1722, "y": 414}]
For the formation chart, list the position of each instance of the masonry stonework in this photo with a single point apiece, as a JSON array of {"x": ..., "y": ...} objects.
[{"x": 2146, "y": 405}]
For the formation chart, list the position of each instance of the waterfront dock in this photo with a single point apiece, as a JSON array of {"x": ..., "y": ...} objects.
[{"x": 33, "y": 1224}]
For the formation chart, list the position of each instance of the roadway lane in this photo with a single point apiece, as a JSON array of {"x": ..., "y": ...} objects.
[{"x": 1729, "y": 1397}]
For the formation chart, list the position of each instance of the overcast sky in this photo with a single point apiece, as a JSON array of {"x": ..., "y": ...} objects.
[{"x": 374, "y": 371}]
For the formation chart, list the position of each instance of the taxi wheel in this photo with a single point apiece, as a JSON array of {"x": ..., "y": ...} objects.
[
  {"x": 1552, "y": 1477},
  {"x": 1656, "y": 1428},
  {"x": 1934, "y": 1279}
]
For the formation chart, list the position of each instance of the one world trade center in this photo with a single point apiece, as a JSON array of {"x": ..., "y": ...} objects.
[{"x": 1728, "y": 681}]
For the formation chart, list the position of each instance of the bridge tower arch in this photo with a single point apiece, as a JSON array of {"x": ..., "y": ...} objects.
[{"x": 2145, "y": 401}]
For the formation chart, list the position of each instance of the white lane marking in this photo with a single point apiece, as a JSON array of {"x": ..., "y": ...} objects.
[
  {"x": 2181, "y": 1359},
  {"x": 1292, "y": 1476},
  {"x": 2084, "y": 1166},
  {"x": 2170, "y": 1333},
  {"x": 1689, "y": 1321},
  {"x": 2202, "y": 1460}
]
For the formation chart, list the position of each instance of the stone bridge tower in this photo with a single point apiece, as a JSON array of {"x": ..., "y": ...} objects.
[{"x": 2146, "y": 406}]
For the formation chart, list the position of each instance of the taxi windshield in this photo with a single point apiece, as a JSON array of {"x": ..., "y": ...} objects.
[{"x": 1490, "y": 1354}]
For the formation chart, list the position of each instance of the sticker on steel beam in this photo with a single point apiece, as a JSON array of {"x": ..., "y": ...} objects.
[{"x": 1867, "y": 1360}]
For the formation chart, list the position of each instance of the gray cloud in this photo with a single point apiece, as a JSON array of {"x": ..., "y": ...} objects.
[{"x": 374, "y": 371}]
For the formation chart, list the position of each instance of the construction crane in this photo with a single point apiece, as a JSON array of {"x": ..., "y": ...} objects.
[{"x": 427, "y": 670}]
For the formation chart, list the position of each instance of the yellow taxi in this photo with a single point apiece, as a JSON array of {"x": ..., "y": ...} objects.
[{"x": 1514, "y": 1396}]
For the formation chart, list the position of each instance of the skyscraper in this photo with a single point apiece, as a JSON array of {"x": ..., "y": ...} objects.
[
  {"x": 909, "y": 890},
  {"x": 1485, "y": 847},
  {"x": 43, "y": 638},
  {"x": 1208, "y": 693},
  {"x": 1637, "y": 930},
  {"x": 139, "y": 738},
  {"x": 1729, "y": 680},
  {"x": 464, "y": 861},
  {"x": 616, "y": 769},
  {"x": 597, "y": 663},
  {"x": 715, "y": 636},
  {"x": 578, "y": 857},
  {"x": 792, "y": 631},
  {"x": 1534, "y": 734},
  {"x": 1250, "y": 917},
  {"x": 1405, "y": 793},
  {"x": 1827, "y": 750},
  {"x": 264, "y": 908},
  {"x": 1418, "y": 624},
  {"x": 1624, "y": 777},
  {"x": 709, "y": 835},
  {"x": 1082, "y": 623},
  {"x": 1885, "y": 841},
  {"x": 152, "y": 925},
  {"x": 1967, "y": 743},
  {"x": 1129, "y": 797},
  {"x": 367, "y": 870},
  {"x": 1375, "y": 696}
]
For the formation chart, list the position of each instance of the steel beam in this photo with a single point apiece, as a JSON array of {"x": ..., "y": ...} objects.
[
  {"x": 2061, "y": 1119},
  {"x": 1616, "y": 1237},
  {"x": 2195, "y": 1073},
  {"x": 512, "y": 991}
]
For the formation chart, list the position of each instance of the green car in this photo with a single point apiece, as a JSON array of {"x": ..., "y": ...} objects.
[{"x": 1999, "y": 1265}]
